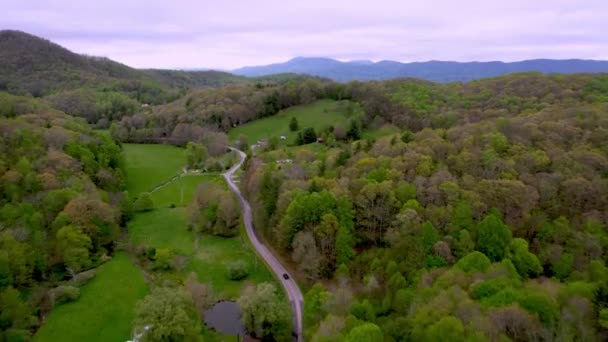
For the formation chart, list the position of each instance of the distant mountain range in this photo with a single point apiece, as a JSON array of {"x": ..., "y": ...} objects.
[{"x": 437, "y": 71}]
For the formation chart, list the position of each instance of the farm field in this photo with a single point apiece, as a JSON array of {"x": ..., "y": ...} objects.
[
  {"x": 149, "y": 165},
  {"x": 180, "y": 192},
  {"x": 105, "y": 309},
  {"x": 319, "y": 115},
  {"x": 162, "y": 228}
]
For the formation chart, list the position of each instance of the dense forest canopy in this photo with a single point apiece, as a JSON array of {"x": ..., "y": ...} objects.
[{"x": 485, "y": 218}]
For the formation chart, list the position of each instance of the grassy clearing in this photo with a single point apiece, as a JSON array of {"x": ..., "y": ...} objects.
[
  {"x": 319, "y": 115},
  {"x": 380, "y": 132},
  {"x": 181, "y": 191},
  {"x": 105, "y": 309},
  {"x": 215, "y": 253},
  {"x": 150, "y": 165},
  {"x": 162, "y": 228}
]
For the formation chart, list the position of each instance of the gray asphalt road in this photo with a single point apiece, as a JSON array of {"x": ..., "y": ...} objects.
[{"x": 291, "y": 288}]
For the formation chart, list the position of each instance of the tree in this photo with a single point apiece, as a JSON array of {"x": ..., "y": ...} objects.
[
  {"x": 293, "y": 124},
  {"x": 407, "y": 136},
  {"x": 448, "y": 328},
  {"x": 526, "y": 263},
  {"x": 354, "y": 130},
  {"x": 375, "y": 205},
  {"x": 493, "y": 237},
  {"x": 309, "y": 136},
  {"x": 143, "y": 202},
  {"x": 366, "y": 332},
  {"x": 264, "y": 315},
  {"x": 15, "y": 314},
  {"x": 237, "y": 270},
  {"x": 306, "y": 255},
  {"x": 474, "y": 262},
  {"x": 74, "y": 247},
  {"x": 167, "y": 314},
  {"x": 325, "y": 235},
  {"x": 196, "y": 155}
]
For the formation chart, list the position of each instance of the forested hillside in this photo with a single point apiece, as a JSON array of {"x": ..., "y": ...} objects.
[
  {"x": 484, "y": 219},
  {"x": 61, "y": 206}
]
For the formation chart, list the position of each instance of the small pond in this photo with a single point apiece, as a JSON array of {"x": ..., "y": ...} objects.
[{"x": 225, "y": 317}]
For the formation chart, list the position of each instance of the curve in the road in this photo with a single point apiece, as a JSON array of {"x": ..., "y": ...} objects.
[{"x": 291, "y": 288}]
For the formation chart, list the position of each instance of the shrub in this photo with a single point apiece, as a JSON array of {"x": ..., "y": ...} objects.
[
  {"x": 143, "y": 202},
  {"x": 237, "y": 270},
  {"x": 64, "y": 294},
  {"x": 83, "y": 277}
]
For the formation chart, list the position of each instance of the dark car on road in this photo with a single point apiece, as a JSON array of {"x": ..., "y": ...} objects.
[{"x": 285, "y": 276}]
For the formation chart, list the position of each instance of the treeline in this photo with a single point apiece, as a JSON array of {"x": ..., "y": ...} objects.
[
  {"x": 61, "y": 207},
  {"x": 491, "y": 225}
]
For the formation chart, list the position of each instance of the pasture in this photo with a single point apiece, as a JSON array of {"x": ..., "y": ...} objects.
[
  {"x": 150, "y": 165},
  {"x": 105, "y": 309},
  {"x": 318, "y": 115}
]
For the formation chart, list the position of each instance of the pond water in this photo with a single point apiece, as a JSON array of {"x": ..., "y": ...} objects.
[{"x": 225, "y": 317}]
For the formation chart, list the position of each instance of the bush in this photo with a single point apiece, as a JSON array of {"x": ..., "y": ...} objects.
[
  {"x": 64, "y": 294},
  {"x": 163, "y": 259},
  {"x": 237, "y": 270},
  {"x": 83, "y": 277},
  {"x": 143, "y": 202}
]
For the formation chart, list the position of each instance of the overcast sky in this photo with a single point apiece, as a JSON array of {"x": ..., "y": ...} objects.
[{"x": 232, "y": 33}]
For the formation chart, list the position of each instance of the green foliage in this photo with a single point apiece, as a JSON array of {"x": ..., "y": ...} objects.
[
  {"x": 405, "y": 192},
  {"x": 473, "y": 262},
  {"x": 263, "y": 313},
  {"x": 74, "y": 246},
  {"x": 64, "y": 293},
  {"x": 196, "y": 155},
  {"x": 293, "y": 124},
  {"x": 527, "y": 264},
  {"x": 542, "y": 305},
  {"x": 237, "y": 270},
  {"x": 366, "y": 332},
  {"x": 407, "y": 136},
  {"x": 143, "y": 202},
  {"x": 448, "y": 328},
  {"x": 564, "y": 265},
  {"x": 309, "y": 135},
  {"x": 167, "y": 314},
  {"x": 354, "y": 130},
  {"x": 493, "y": 237}
]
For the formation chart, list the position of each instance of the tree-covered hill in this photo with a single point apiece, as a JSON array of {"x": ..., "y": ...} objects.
[
  {"x": 61, "y": 207},
  {"x": 38, "y": 67}
]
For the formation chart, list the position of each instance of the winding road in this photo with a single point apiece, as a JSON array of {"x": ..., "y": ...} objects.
[{"x": 291, "y": 288}]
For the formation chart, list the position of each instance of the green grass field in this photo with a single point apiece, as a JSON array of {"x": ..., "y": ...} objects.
[
  {"x": 105, "y": 309},
  {"x": 319, "y": 115},
  {"x": 149, "y": 165},
  {"x": 215, "y": 253},
  {"x": 181, "y": 191},
  {"x": 162, "y": 228}
]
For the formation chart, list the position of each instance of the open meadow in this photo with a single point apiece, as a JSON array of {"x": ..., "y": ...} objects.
[
  {"x": 105, "y": 309},
  {"x": 318, "y": 115}
]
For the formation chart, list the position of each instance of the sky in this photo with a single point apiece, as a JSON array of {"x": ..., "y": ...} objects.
[{"x": 226, "y": 34}]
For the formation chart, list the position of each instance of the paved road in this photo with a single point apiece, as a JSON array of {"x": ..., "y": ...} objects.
[{"x": 290, "y": 286}]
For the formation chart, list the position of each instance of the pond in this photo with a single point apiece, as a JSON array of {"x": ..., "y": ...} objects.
[{"x": 225, "y": 317}]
